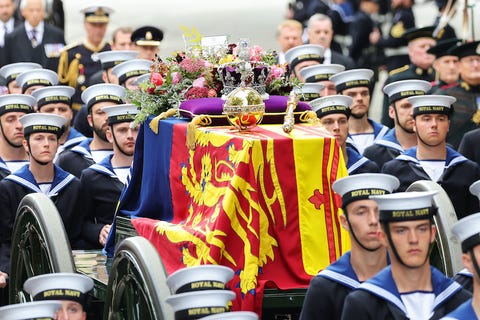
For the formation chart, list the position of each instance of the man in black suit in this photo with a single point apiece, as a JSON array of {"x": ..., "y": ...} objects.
[
  {"x": 34, "y": 40},
  {"x": 320, "y": 31}
]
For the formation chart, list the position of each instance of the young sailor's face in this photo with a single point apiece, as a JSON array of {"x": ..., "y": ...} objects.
[
  {"x": 12, "y": 128},
  {"x": 432, "y": 129},
  {"x": 71, "y": 310},
  {"x": 363, "y": 217},
  {"x": 43, "y": 146},
  {"x": 337, "y": 125},
  {"x": 412, "y": 240}
]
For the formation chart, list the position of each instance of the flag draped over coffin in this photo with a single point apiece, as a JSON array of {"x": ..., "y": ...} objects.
[{"x": 259, "y": 202}]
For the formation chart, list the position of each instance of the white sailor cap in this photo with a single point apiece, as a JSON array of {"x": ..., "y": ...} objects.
[
  {"x": 42, "y": 122},
  {"x": 203, "y": 277},
  {"x": 53, "y": 94},
  {"x": 406, "y": 206},
  {"x": 309, "y": 91},
  {"x": 467, "y": 231},
  {"x": 102, "y": 92},
  {"x": 120, "y": 113},
  {"x": 16, "y": 103},
  {"x": 96, "y": 13},
  {"x": 143, "y": 78},
  {"x": 305, "y": 52},
  {"x": 110, "y": 59},
  {"x": 406, "y": 88},
  {"x": 320, "y": 72},
  {"x": 196, "y": 304},
  {"x": 235, "y": 315},
  {"x": 59, "y": 286},
  {"x": 430, "y": 103},
  {"x": 362, "y": 186},
  {"x": 475, "y": 189},
  {"x": 36, "y": 77},
  {"x": 352, "y": 78},
  {"x": 131, "y": 68},
  {"x": 331, "y": 104},
  {"x": 12, "y": 70},
  {"x": 30, "y": 310}
]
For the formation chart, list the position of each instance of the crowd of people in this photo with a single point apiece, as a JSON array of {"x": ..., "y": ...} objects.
[{"x": 65, "y": 132}]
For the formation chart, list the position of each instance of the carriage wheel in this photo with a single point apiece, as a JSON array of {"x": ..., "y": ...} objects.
[
  {"x": 446, "y": 255},
  {"x": 137, "y": 285},
  {"x": 39, "y": 244}
]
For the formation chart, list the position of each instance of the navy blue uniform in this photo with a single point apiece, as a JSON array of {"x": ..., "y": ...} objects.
[
  {"x": 458, "y": 175},
  {"x": 384, "y": 149},
  {"x": 359, "y": 164}
]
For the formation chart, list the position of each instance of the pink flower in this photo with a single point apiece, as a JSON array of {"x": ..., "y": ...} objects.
[
  {"x": 276, "y": 72},
  {"x": 196, "y": 92},
  {"x": 191, "y": 65},
  {"x": 199, "y": 83},
  {"x": 256, "y": 53},
  {"x": 176, "y": 77}
]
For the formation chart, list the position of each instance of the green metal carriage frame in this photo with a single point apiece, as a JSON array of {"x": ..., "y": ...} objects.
[{"x": 132, "y": 285}]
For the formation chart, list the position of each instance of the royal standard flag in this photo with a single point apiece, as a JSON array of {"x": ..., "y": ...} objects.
[{"x": 259, "y": 202}]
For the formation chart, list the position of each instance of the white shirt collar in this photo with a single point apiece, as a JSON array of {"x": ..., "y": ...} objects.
[{"x": 327, "y": 56}]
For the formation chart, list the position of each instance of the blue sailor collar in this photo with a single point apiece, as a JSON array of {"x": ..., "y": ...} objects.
[
  {"x": 83, "y": 148},
  {"x": 383, "y": 286},
  {"x": 105, "y": 167},
  {"x": 3, "y": 166},
  {"x": 453, "y": 157},
  {"x": 25, "y": 178},
  {"x": 74, "y": 138},
  {"x": 389, "y": 140},
  {"x": 341, "y": 271},
  {"x": 355, "y": 160},
  {"x": 379, "y": 130}
]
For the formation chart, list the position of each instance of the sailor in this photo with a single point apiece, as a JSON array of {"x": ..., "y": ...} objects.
[
  {"x": 30, "y": 310},
  {"x": 147, "y": 42},
  {"x": 12, "y": 154},
  {"x": 303, "y": 56},
  {"x": 327, "y": 290},
  {"x": 32, "y": 80},
  {"x": 71, "y": 289},
  {"x": 10, "y": 72},
  {"x": 410, "y": 288},
  {"x": 432, "y": 159},
  {"x": 41, "y": 175},
  {"x": 309, "y": 91},
  {"x": 362, "y": 131},
  {"x": 401, "y": 136},
  {"x": 57, "y": 100},
  {"x": 93, "y": 150},
  {"x": 321, "y": 74},
  {"x": 467, "y": 231},
  {"x": 126, "y": 72},
  {"x": 103, "y": 182},
  {"x": 333, "y": 112},
  {"x": 76, "y": 64}
]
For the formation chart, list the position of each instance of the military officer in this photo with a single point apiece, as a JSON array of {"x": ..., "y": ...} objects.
[
  {"x": 467, "y": 91},
  {"x": 76, "y": 64},
  {"x": 103, "y": 182},
  {"x": 333, "y": 112},
  {"x": 327, "y": 291},
  {"x": 410, "y": 288},
  {"x": 93, "y": 150},
  {"x": 445, "y": 64},
  {"x": 147, "y": 42},
  {"x": 10, "y": 72},
  {"x": 432, "y": 159}
]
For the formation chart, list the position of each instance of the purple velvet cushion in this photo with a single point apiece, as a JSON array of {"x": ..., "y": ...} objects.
[{"x": 214, "y": 107}]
